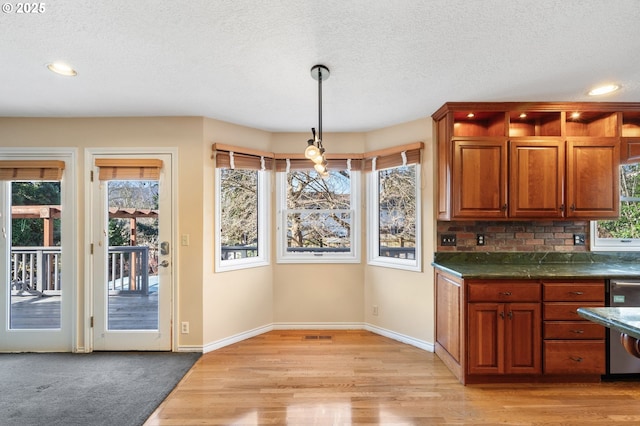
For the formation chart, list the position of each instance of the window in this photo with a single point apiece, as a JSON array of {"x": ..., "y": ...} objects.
[
  {"x": 622, "y": 234},
  {"x": 394, "y": 212},
  {"x": 318, "y": 218},
  {"x": 242, "y": 214}
]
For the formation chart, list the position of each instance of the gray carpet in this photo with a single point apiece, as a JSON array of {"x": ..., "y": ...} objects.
[{"x": 101, "y": 388}]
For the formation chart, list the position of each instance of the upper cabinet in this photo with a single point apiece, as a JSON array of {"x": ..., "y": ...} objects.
[{"x": 533, "y": 160}]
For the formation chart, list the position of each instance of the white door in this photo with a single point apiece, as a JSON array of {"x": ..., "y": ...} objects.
[
  {"x": 133, "y": 251},
  {"x": 37, "y": 251}
]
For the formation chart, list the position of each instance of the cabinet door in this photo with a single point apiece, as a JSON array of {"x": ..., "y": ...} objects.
[
  {"x": 536, "y": 178},
  {"x": 523, "y": 338},
  {"x": 486, "y": 338},
  {"x": 593, "y": 178},
  {"x": 479, "y": 178}
]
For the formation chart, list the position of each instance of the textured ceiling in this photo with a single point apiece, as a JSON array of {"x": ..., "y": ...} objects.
[{"x": 248, "y": 61}]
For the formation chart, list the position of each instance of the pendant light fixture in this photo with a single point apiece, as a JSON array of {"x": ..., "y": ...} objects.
[{"x": 315, "y": 150}]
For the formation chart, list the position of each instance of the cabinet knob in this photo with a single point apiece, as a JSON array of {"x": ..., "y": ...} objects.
[
  {"x": 504, "y": 207},
  {"x": 502, "y": 315},
  {"x": 573, "y": 207},
  {"x": 561, "y": 207},
  {"x": 577, "y": 293},
  {"x": 510, "y": 315},
  {"x": 577, "y": 331},
  {"x": 576, "y": 358}
]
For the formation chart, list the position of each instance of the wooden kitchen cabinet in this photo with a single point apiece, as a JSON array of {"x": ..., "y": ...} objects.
[
  {"x": 536, "y": 180},
  {"x": 593, "y": 178},
  {"x": 480, "y": 178},
  {"x": 533, "y": 160},
  {"x": 504, "y": 330},
  {"x": 572, "y": 345},
  {"x": 504, "y": 338}
]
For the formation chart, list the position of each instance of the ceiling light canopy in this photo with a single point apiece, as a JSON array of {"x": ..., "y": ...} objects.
[
  {"x": 604, "y": 89},
  {"x": 62, "y": 69},
  {"x": 315, "y": 150}
]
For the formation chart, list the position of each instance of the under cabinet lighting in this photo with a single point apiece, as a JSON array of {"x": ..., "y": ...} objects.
[
  {"x": 603, "y": 90},
  {"x": 471, "y": 115},
  {"x": 575, "y": 115},
  {"x": 523, "y": 115},
  {"x": 62, "y": 69}
]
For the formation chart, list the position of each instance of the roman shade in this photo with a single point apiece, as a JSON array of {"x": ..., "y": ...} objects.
[
  {"x": 286, "y": 162},
  {"x": 235, "y": 157},
  {"x": 393, "y": 157},
  {"x": 129, "y": 168},
  {"x": 31, "y": 170}
]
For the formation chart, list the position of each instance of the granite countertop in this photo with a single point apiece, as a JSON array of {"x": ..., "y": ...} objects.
[
  {"x": 487, "y": 265},
  {"x": 625, "y": 320}
]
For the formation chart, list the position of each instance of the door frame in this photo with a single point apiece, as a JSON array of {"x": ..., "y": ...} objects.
[
  {"x": 89, "y": 154},
  {"x": 69, "y": 181}
]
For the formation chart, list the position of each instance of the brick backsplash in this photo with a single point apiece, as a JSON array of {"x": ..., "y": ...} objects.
[{"x": 515, "y": 236}]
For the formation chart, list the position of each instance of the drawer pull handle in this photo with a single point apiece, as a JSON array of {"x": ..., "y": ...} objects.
[
  {"x": 576, "y": 358},
  {"x": 505, "y": 293},
  {"x": 577, "y": 293},
  {"x": 577, "y": 331}
]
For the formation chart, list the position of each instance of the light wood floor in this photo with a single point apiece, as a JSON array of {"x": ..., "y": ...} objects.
[{"x": 357, "y": 377}]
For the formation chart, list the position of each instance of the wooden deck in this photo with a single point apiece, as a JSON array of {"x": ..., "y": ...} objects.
[{"x": 126, "y": 312}]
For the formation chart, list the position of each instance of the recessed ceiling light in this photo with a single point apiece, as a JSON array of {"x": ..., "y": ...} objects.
[
  {"x": 603, "y": 90},
  {"x": 62, "y": 69}
]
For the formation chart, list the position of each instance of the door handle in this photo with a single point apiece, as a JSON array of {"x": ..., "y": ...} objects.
[{"x": 164, "y": 263}]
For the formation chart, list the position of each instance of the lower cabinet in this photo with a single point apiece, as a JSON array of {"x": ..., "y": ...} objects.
[
  {"x": 518, "y": 330},
  {"x": 504, "y": 338},
  {"x": 572, "y": 345}
]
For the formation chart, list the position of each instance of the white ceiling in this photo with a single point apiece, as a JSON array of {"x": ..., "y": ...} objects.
[{"x": 248, "y": 61}]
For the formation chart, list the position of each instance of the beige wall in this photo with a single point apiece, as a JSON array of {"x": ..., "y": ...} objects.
[
  {"x": 234, "y": 302},
  {"x": 183, "y": 133},
  {"x": 228, "y": 305},
  {"x": 405, "y": 299},
  {"x": 318, "y": 293}
]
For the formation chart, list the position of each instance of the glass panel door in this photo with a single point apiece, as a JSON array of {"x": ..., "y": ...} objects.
[{"x": 132, "y": 262}]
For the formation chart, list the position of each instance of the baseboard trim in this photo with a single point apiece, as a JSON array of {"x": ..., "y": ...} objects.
[
  {"x": 209, "y": 347},
  {"x": 236, "y": 338},
  {"x": 318, "y": 326},
  {"x": 189, "y": 348},
  {"x": 421, "y": 344}
]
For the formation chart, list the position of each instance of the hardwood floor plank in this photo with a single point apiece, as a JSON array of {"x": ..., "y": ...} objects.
[{"x": 360, "y": 378}]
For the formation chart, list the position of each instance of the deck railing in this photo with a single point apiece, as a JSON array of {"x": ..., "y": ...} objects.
[
  {"x": 37, "y": 270},
  {"x": 128, "y": 269}
]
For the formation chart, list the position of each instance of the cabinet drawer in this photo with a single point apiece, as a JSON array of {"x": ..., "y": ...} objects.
[
  {"x": 574, "y": 357},
  {"x": 504, "y": 292},
  {"x": 569, "y": 292},
  {"x": 573, "y": 330},
  {"x": 565, "y": 310}
]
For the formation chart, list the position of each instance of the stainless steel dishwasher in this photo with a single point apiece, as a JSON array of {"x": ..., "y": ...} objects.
[{"x": 621, "y": 293}]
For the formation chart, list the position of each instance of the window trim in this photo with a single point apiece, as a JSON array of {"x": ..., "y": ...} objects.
[
  {"x": 611, "y": 244},
  {"x": 373, "y": 226},
  {"x": 283, "y": 256},
  {"x": 264, "y": 220}
]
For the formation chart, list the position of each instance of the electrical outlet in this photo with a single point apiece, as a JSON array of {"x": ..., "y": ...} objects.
[
  {"x": 185, "y": 327},
  {"x": 480, "y": 239},
  {"x": 448, "y": 240},
  {"x": 375, "y": 309},
  {"x": 578, "y": 239}
]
